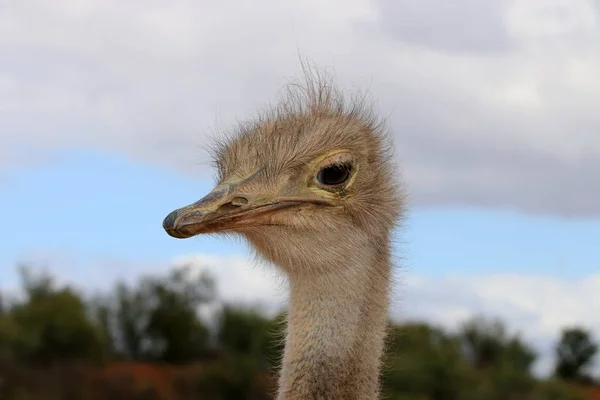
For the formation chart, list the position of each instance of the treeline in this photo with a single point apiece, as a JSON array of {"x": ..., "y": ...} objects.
[{"x": 148, "y": 341}]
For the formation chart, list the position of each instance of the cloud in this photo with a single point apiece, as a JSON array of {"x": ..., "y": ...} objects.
[
  {"x": 241, "y": 280},
  {"x": 458, "y": 27},
  {"x": 493, "y": 103}
]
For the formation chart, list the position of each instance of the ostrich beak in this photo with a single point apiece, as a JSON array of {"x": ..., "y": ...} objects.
[{"x": 227, "y": 209}]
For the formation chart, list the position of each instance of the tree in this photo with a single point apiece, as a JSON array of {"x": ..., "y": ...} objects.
[
  {"x": 486, "y": 344},
  {"x": 575, "y": 352},
  {"x": 246, "y": 331},
  {"x": 51, "y": 324},
  {"x": 251, "y": 345},
  {"x": 423, "y": 362},
  {"x": 173, "y": 323},
  {"x": 158, "y": 318}
]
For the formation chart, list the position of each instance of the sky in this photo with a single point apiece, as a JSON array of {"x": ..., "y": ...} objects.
[{"x": 106, "y": 109}]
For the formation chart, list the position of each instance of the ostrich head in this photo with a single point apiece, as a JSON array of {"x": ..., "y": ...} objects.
[{"x": 306, "y": 183}]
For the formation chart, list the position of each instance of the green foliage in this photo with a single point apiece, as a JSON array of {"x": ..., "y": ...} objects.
[
  {"x": 157, "y": 319},
  {"x": 51, "y": 340},
  {"x": 246, "y": 331},
  {"x": 49, "y": 326},
  {"x": 423, "y": 362},
  {"x": 480, "y": 362},
  {"x": 486, "y": 343},
  {"x": 173, "y": 322},
  {"x": 575, "y": 352}
]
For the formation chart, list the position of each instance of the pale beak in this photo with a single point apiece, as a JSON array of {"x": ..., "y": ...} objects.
[{"x": 225, "y": 209}]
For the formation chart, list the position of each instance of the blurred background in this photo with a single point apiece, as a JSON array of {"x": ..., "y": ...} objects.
[{"x": 105, "y": 111}]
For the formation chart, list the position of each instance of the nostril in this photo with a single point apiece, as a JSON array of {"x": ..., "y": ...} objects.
[
  {"x": 239, "y": 201},
  {"x": 236, "y": 202},
  {"x": 228, "y": 207}
]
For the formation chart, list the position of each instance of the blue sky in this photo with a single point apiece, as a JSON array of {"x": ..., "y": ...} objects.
[{"x": 92, "y": 204}]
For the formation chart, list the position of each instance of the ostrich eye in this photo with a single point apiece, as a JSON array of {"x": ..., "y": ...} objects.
[{"x": 334, "y": 174}]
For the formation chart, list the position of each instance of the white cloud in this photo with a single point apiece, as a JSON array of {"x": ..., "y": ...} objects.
[
  {"x": 241, "y": 280},
  {"x": 493, "y": 103}
]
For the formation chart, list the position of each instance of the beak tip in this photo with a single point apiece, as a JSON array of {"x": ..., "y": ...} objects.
[
  {"x": 169, "y": 225},
  {"x": 169, "y": 221}
]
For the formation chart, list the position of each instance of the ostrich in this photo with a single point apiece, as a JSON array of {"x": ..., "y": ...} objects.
[{"x": 311, "y": 185}]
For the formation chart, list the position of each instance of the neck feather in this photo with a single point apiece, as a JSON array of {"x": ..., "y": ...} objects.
[{"x": 336, "y": 329}]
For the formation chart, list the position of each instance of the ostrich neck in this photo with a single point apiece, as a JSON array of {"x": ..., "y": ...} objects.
[{"x": 336, "y": 329}]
